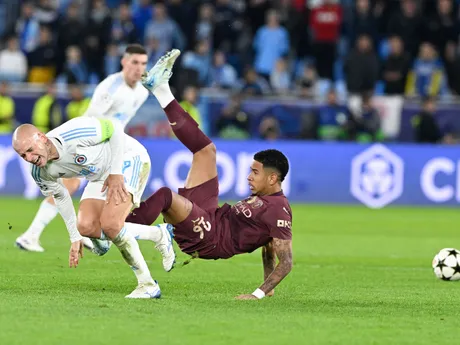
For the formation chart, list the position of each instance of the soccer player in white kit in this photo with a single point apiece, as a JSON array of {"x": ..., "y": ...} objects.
[
  {"x": 119, "y": 96},
  {"x": 116, "y": 166}
]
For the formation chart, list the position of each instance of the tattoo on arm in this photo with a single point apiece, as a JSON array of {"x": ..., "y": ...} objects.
[
  {"x": 283, "y": 250},
  {"x": 268, "y": 259}
]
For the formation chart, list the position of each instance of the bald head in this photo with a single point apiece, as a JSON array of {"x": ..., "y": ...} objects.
[
  {"x": 24, "y": 132},
  {"x": 31, "y": 145}
]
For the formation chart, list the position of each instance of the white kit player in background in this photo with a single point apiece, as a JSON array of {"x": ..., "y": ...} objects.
[
  {"x": 118, "y": 96},
  {"x": 100, "y": 151}
]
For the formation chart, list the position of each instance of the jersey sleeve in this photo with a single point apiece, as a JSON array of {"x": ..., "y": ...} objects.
[
  {"x": 279, "y": 220},
  {"x": 51, "y": 187},
  {"x": 101, "y": 103},
  {"x": 90, "y": 131}
]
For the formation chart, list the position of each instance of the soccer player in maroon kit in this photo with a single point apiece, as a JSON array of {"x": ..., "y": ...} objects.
[{"x": 203, "y": 228}]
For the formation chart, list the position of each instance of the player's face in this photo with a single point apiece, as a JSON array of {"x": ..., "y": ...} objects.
[
  {"x": 33, "y": 150},
  {"x": 134, "y": 66},
  {"x": 258, "y": 179}
]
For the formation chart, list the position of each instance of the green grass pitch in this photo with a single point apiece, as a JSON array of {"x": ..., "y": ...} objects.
[{"x": 360, "y": 276}]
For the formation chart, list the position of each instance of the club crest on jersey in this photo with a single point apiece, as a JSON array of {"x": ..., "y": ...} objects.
[
  {"x": 255, "y": 202},
  {"x": 80, "y": 159}
]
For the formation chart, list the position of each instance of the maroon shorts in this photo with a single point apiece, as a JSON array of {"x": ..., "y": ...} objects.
[{"x": 197, "y": 234}]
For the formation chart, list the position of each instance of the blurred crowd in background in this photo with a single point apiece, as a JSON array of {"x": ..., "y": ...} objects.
[{"x": 325, "y": 50}]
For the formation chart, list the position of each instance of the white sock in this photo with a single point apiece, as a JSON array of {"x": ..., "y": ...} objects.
[
  {"x": 129, "y": 249},
  {"x": 45, "y": 214},
  {"x": 163, "y": 94},
  {"x": 144, "y": 232}
]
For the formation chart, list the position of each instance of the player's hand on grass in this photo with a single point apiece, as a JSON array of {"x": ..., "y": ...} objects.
[
  {"x": 76, "y": 252},
  {"x": 246, "y": 297},
  {"x": 117, "y": 193}
]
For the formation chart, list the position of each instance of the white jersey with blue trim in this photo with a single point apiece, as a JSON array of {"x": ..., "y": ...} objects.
[{"x": 114, "y": 98}]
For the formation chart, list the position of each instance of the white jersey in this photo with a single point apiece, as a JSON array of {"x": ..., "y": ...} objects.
[
  {"x": 88, "y": 147},
  {"x": 113, "y": 98}
]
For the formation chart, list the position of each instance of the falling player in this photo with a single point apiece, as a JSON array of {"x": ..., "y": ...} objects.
[
  {"x": 201, "y": 226},
  {"x": 118, "y": 96},
  {"x": 100, "y": 151}
]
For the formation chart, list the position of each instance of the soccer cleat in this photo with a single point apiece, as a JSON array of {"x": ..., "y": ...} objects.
[
  {"x": 87, "y": 243},
  {"x": 29, "y": 244},
  {"x": 100, "y": 247},
  {"x": 150, "y": 290},
  {"x": 165, "y": 246},
  {"x": 161, "y": 72}
]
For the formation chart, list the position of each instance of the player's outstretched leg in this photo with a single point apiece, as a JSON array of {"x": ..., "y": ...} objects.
[{"x": 184, "y": 127}]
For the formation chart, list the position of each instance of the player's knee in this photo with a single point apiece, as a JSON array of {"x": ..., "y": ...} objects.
[
  {"x": 208, "y": 151},
  {"x": 89, "y": 228},
  {"x": 111, "y": 226}
]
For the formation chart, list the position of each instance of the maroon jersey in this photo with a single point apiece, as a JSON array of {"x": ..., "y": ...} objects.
[{"x": 252, "y": 223}]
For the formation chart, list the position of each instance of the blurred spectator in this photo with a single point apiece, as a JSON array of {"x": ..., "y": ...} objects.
[
  {"x": 280, "y": 80},
  {"x": 112, "y": 60},
  {"x": 366, "y": 126},
  {"x": 46, "y": 12},
  {"x": 395, "y": 68},
  {"x": 7, "y": 110},
  {"x": 269, "y": 128},
  {"x": 426, "y": 128},
  {"x": 75, "y": 70},
  {"x": 188, "y": 103},
  {"x": 291, "y": 19},
  {"x": 364, "y": 22},
  {"x": 361, "y": 67},
  {"x": 142, "y": 14},
  {"x": 204, "y": 27},
  {"x": 306, "y": 83},
  {"x": 222, "y": 74},
  {"x": 43, "y": 59},
  {"x": 427, "y": 74},
  {"x": 123, "y": 30},
  {"x": 97, "y": 37},
  {"x": 233, "y": 122},
  {"x": 227, "y": 26},
  {"x": 251, "y": 84},
  {"x": 70, "y": 32},
  {"x": 78, "y": 102},
  {"x": 270, "y": 43},
  {"x": 13, "y": 62},
  {"x": 47, "y": 114},
  {"x": 27, "y": 28},
  {"x": 184, "y": 13},
  {"x": 441, "y": 26},
  {"x": 164, "y": 29},
  {"x": 331, "y": 119},
  {"x": 325, "y": 23},
  {"x": 199, "y": 60},
  {"x": 153, "y": 51},
  {"x": 452, "y": 64},
  {"x": 407, "y": 24}
]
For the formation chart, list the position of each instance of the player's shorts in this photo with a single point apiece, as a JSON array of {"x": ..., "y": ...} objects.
[
  {"x": 136, "y": 171},
  {"x": 197, "y": 234}
]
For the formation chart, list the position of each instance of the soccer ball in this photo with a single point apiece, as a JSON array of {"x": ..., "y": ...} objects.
[{"x": 446, "y": 264}]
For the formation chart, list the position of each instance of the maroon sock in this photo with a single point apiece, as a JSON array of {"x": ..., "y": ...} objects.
[
  {"x": 185, "y": 128},
  {"x": 150, "y": 209}
]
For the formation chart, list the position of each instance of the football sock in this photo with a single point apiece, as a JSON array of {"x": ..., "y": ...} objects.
[
  {"x": 183, "y": 125},
  {"x": 129, "y": 249},
  {"x": 45, "y": 214},
  {"x": 150, "y": 209},
  {"x": 144, "y": 232}
]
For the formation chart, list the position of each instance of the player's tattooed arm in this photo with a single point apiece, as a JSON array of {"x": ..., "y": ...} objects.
[
  {"x": 283, "y": 250},
  {"x": 269, "y": 262}
]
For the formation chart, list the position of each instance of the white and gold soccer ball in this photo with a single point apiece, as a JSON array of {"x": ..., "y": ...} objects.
[{"x": 446, "y": 264}]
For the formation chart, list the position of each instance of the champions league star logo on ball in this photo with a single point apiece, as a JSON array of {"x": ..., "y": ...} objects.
[{"x": 377, "y": 176}]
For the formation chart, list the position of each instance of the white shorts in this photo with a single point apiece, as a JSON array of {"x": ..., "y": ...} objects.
[{"x": 136, "y": 171}]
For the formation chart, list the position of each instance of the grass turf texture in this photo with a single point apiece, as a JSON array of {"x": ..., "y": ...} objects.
[{"x": 360, "y": 277}]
